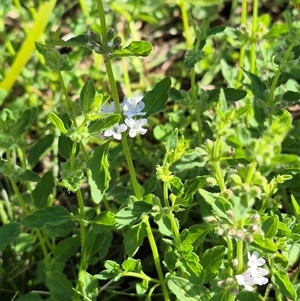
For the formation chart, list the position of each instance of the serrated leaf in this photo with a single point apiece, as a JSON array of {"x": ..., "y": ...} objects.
[
  {"x": 52, "y": 216},
  {"x": 184, "y": 290},
  {"x": 211, "y": 261},
  {"x": 8, "y": 233},
  {"x": 59, "y": 285},
  {"x": 101, "y": 125},
  {"x": 39, "y": 148},
  {"x": 134, "y": 237},
  {"x": 57, "y": 122},
  {"x": 89, "y": 285},
  {"x": 190, "y": 188},
  {"x": 129, "y": 264},
  {"x": 98, "y": 173},
  {"x": 282, "y": 281},
  {"x": 43, "y": 190},
  {"x": 258, "y": 86},
  {"x": 155, "y": 100},
  {"x": 135, "y": 48},
  {"x": 270, "y": 225},
  {"x": 191, "y": 265}
]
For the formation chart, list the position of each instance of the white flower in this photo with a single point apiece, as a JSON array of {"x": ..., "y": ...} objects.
[
  {"x": 254, "y": 274},
  {"x": 254, "y": 260},
  {"x": 135, "y": 126},
  {"x": 108, "y": 108},
  {"x": 116, "y": 131},
  {"x": 133, "y": 107}
]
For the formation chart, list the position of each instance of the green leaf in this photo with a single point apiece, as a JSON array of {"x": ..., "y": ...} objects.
[
  {"x": 43, "y": 190},
  {"x": 134, "y": 237},
  {"x": 57, "y": 122},
  {"x": 30, "y": 297},
  {"x": 264, "y": 244},
  {"x": 172, "y": 141},
  {"x": 22, "y": 124},
  {"x": 282, "y": 281},
  {"x": 230, "y": 94},
  {"x": 103, "y": 221},
  {"x": 184, "y": 290},
  {"x": 65, "y": 146},
  {"x": 135, "y": 48},
  {"x": 112, "y": 271},
  {"x": 192, "y": 57},
  {"x": 189, "y": 263},
  {"x": 196, "y": 234},
  {"x": 215, "y": 30},
  {"x": 175, "y": 94},
  {"x": 277, "y": 30},
  {"x": 296, "y": 207},
  {"x": 258, "y": 86},
  {"x": 165, "y": 225},
  {"x": 27, "y": 175},
  {"x": 98, "y": 173},
  {"x": 8, "y": 233},
  {"x": 211, "y": 261},
  {"x": 129, "y": 264},
  {"x": 39, "y": 148},
  {"x": 66, "y": 248},
  {"x": 87, "y": 96},
  {"x": 52, "y": 216},
  {"x": 243, "y": 135},
  {"x": 291, "y": 96},
  {"x": 155, "y": 100},
  {"x": 190, "y": 188},
  {"x": 270, "y": 226},
  {"x": 103, "y": 124},
  {"x": 59, "y": 285},
  {"x": 89, "y": 285},
  {"x": 80, "y": 40}
]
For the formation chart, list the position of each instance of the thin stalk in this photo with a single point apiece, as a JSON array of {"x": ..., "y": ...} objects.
[
  {"x": 229, "y": 255},
  {"x": 141, "y": 276},
  {"x": 166, "y": 195},
  {"x": 115, "y": 97},
  {"x": 240, "y": 251},
  {"x": 253, "y": 38},
  {"x": 156, "y": 259},
  {"x": 185, "y": 22},
  {"x": 216, "y": 164},
  {"x": 251, "y": 172},
  {"x": 243, "y": 48}
]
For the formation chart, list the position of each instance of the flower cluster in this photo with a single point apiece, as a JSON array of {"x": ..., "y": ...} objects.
[
  {"x": 130, "y": 108},
  {"x": 254, "y": 274}
]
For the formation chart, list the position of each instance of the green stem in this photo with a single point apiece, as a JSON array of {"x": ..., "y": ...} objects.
[
  {"x": 253, "y": 39},
  {"x": 216, "y": 163},
  {"x": 251, "y": 172},
  {"x": 166, "y": 195},
  {"x": 141, "y": 276},
  {"x": 185, "y": 22},
  {"x": 156, "y": 259},
  {"x": 115, "y": 97},
  {"x": 175, "y": 229},
  {"x": 229, "y": 255},
  {"x": 243, "y": 48},
  {"x": 278, "y": 73},
  {"x": 240, "y": 251}
]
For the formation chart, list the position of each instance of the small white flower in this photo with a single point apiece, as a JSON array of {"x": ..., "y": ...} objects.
[
  {"x": 116, "y": 131},
  {"x": 254, "y": 274},
  {"x": 108, "y": 108},
  {"x": 135, "y": 126},
  {"x": 254, "y": 260},
  {"x": 133, "y": 107}
]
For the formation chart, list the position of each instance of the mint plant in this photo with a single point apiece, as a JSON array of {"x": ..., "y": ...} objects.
[{"x": 200, "y": 203}]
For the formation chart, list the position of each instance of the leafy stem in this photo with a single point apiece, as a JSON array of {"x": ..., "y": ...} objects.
[
  {"x": 115, "y": 97},
  {"x": 216, "y": 163},
  {"x": 156, "y": 259}
]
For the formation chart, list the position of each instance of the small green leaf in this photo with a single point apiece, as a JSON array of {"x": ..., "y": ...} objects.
[
  {"x": 87, "y": 96},
  {"x": 39, "y": 148},
  {"x": 103, "y": 124},
  {"x": 103, "y": 221},
  {"x": 282, "y": 281},
  {"x": 8, "y": 233},
  {"x": 57, "y": 122},
  {"x": 264, "y": 244},
  {"x": 134, "y": 237},
  {"x": 98, "y": 173},
  {"x": 243, "y": 135},
  {"x": 196, "y": 234},
  {"x": 270, "y": 226},
  {"x": 258, "y": 86},
  {"x": 89, "y": 286},
  {"x": 190, "y": 188},
  {"x": 135, "y": 48},
  {"x": 66, "y": 248},
  {"x": 211, "y": 261},
  {"x": 175, "y": 94},
  {"x": 192, "y": 57},
  {"x": 27, "y": 175},
  {"x": 230, "y": 94},
  {"x": 184, "y": 290},
  {"x": 155, "y": 100},
  {"x": 191, "y": 266},
  {"x": 31, "y": 297},
  {"x": 291, "y": 96},
  {"x": 43, "y": 190},
  {"x": 129, "y": 264},
  {"x": 65, "y": 146},
  {"x": 22, "y": 124},
  {"x": 52, "y": 216},
  {"x": 296, "y": 207}
]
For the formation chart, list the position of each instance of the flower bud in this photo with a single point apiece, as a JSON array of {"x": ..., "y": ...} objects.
[{"x": 110, "y": 34}]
